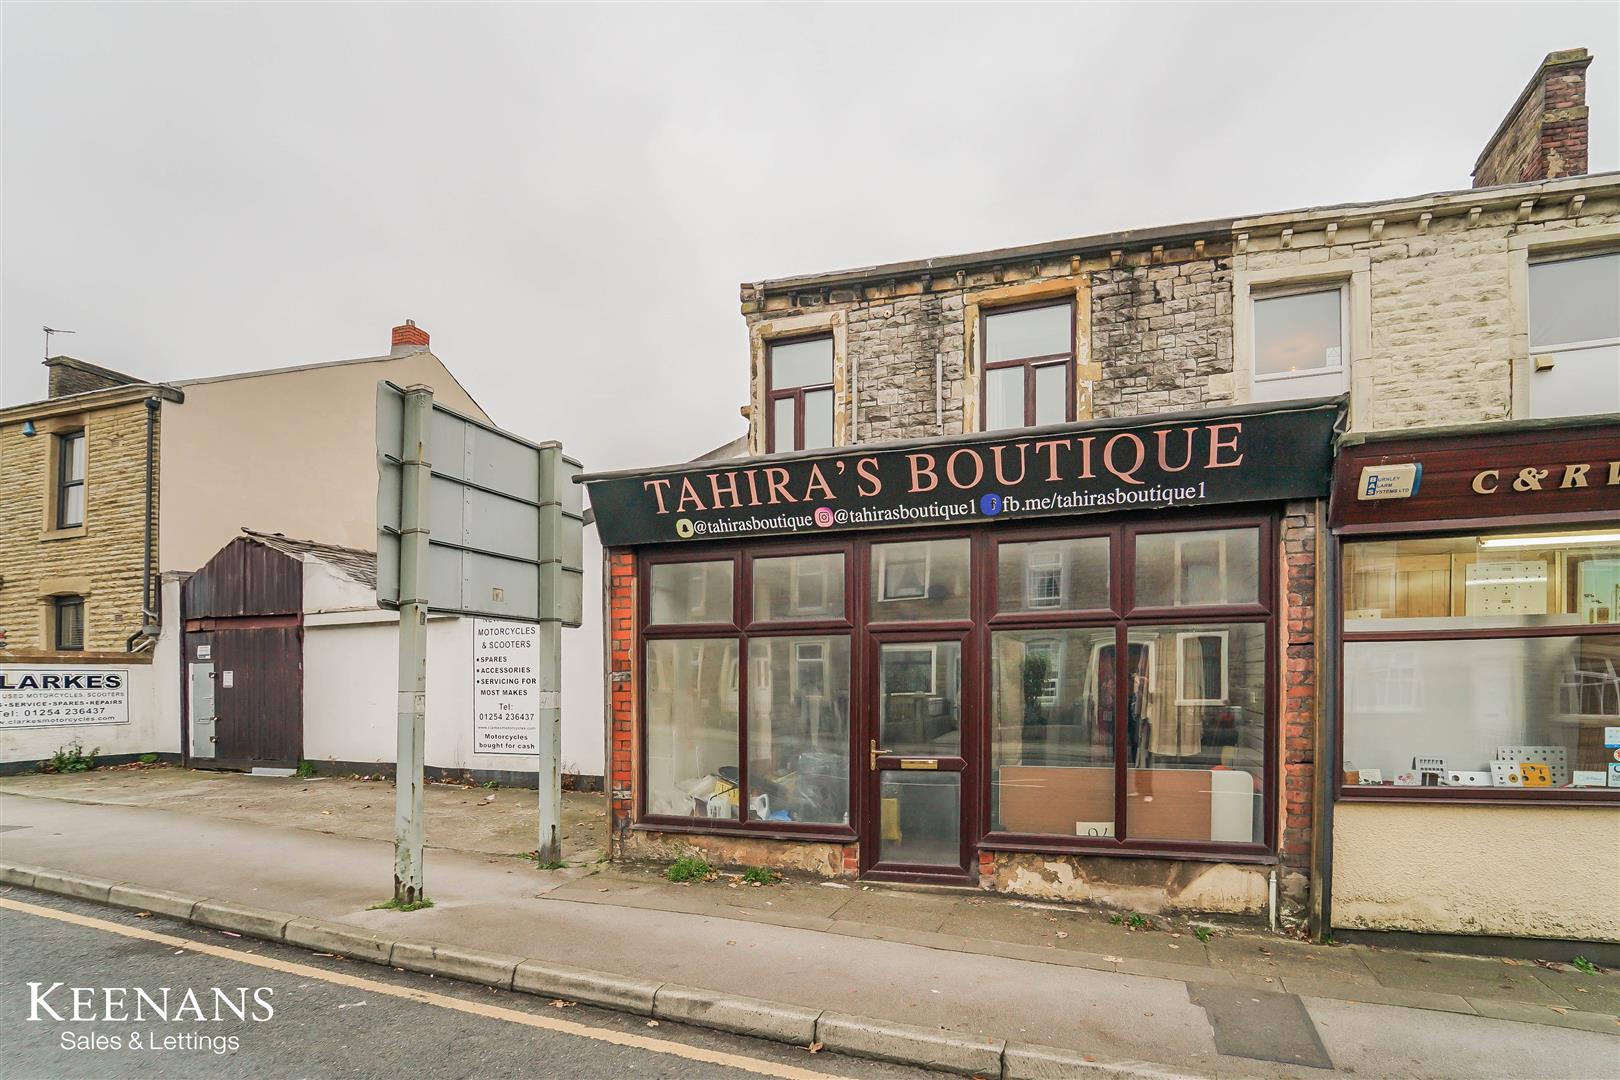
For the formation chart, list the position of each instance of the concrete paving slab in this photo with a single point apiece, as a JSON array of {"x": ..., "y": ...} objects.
[
  {"x": 1549, "y": 1015},
  {"x": 1462, "y": 975},
  {"x": 1262, "y": 1027},
  {"x": 900, "y": 910},
  {"x": 1591, "y": 993},
  {"x": 1251, "y": 955}
]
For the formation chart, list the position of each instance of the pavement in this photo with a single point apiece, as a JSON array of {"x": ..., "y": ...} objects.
[{"x": 985, "y": 967}]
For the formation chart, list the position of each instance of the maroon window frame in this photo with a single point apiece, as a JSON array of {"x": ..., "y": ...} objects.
[
  {"x": 1462, "y": 796},
  {"x": 1027, "y": 363},
  {"x": 773, "y": 438},
  {"x": 863, "y": 630}
]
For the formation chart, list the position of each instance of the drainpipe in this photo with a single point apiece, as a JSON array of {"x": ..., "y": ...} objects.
[
  {"x": 1330, "y": 687},
  {"x": 150, "y": 625}
]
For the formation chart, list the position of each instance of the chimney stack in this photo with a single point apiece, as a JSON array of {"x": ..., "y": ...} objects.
[
  {"x": 408, "y": 338},
  {"x": 1543, "y": 136}
]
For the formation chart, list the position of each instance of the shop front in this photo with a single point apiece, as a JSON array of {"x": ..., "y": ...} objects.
[
  {"x": 1055, "y": 661},
  {"x": 1480, "y": 714}
]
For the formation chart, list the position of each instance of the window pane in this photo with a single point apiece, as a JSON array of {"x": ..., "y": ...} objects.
[
  {"x": 1473, "y": 582},
  {"x": 1574, "y": 300},
  {"x": 72, "y": 506},
  {"x": 784, "y": 433},
  {"x": 1004, "y": 398},
  {"x": 921, "y": 818},
  {"x": 1474, "y": 712},
  {"x": 1297, "y": 333},
  {"x": 818, "y": 420},
  {"x": 920, "y": 699},
  {"x": 691, "y": 592},
  {"x": 1580, "y": 382},
  {"x": 1196, "y": 734},
  {"x": 926, "y": 579},
  {"x": 802, "y": 363},
  {"x": 73, "y": 448},
  {"x": 70, "y": 623},
  {"x": 1052, "y": 732},
  {"x": 799, "y": 587},
  {"x": 692, "y": 729},
  {"x": 1187, "y": 569},
  {"x": 798, "y": 729},
  {"x": 1044, "y": 331},
  {"x": 1053, "y": 575},
  {"x": 1051, "y": 393}
]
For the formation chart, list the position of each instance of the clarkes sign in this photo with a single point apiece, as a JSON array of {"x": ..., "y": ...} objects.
[{"x": 1182, "y": 460}]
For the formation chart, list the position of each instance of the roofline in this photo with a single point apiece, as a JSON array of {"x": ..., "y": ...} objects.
[
  {"x": 1111, "y": 423},
  {"x": 1353, "y": 439},
  {"x": 91, "y": 399},
  {"x": 300, "y": 367},
  {"x": 63, "y": 360},
  {"x": 1168, "y": 234}
]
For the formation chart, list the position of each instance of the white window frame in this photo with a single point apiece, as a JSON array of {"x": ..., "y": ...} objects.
[
  {"x": 800, "y": 573},
  {"x": 1353, "y": 273},
  {"x": 1053, "y": 648},
  {"x": 883, "y": 571},
  {"x": 1259, "y": 296},
  {"x": 1181, "y": 667},
  {"x": 933, "y": 670},
  {"x": 1545, "y": 245},
  {"x": 1052, "y": 558},
  {"x": 1545, "y": 258},
  {"x": 1209, "y": 536},
  {"x": 799, "y": 658}
]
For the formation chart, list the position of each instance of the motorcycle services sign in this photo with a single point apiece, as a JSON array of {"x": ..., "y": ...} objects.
[
  {"x": 1247, "y": 454},
  {"x": 506, "y": 687},
  {"x": 33, "y": 695}
]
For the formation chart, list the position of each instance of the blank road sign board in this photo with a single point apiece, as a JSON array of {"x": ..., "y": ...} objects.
[{"x": 488, "y": 497}]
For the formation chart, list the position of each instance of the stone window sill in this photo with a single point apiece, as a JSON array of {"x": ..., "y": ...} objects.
[{"x": 65, "y": 534}]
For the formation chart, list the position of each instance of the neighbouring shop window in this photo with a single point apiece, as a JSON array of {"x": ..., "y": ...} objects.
[
  {"x": 1488, "y": 662},
  {"x": 1053, "y": 575},
  {"x": 1575, "y": 336},
  {"x": 694, "y": 592},
  {"x": 1028, "y": 365},
  {"x": 1052, "y": 731},
  {"x": 1301, "y": 344},
  {"x": 797, "y": 587},
  {"x": 798, "y": 729},
  {"x": 800, "y": 392},
  {"x": 692, "y": 729},
  {"x": 68, "y": 616},
  {"x": 70, "y": 461},
  {"x": 1212, "y": 568},
  {"x": 924, "y": 580}
]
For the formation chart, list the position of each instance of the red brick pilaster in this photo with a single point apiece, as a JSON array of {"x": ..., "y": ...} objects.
[
  {"x": 1298, "y": 717},
  {"x": 621, "y": 692}
]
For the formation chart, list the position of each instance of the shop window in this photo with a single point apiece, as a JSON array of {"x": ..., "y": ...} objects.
[
  {"x": 1053, "y": 575},
  {"x": 1498, "y": 689},
  {"x": 1575, "y": 336},
  {"x": 1052, "y": 732},
  {"x": 694, "y": 592},
  {"x": 798, "y": 729},
  {"x": 1301, "y": 345},
  {"x": 1197, "y": 735},
  {"x": 800, "y": 393},
  {"x": 1213, "y": 568},
  {"x": 796, "y": 587},
  {"x": 925, "y": 580},
  {"x": 692, "y": 736},
  {"x": 1028, "y": 366},
  {"x": 67, "y": 616},
  {"x": 70, "y": 472}
]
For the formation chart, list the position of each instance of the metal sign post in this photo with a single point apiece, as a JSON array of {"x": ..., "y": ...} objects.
[
  {"x": 493, "y": 528},
  {"x": 415, "y": 474}
]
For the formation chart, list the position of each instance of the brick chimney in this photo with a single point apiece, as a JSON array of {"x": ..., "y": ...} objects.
[
  {"x": 71, "y": 376},
  {"x": 1543, "y": 136},
  {"x": 409, "y": 338}
]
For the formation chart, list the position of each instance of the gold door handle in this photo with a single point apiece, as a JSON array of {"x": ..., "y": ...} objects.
[{"x": 875, "y": 753}]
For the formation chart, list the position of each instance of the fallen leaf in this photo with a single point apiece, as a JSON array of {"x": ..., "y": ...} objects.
[
  {"x": 1087, "y": 1057},
  {"x": 1114, "y": 959},
  {"x": 1063, "y": 933},
  {"x": 1270, "y": 979},
  {"x": 559, "y": 1003},
  {"x": 1175, "y": 946},
  {"x": 143, "y": 914},
  {"x": 652, "y": 1023},
  {"x": 1509, "y": 961},
  {"x": 814, "y": 1048},
  {"x": 1560, "y": 1010},
  {"x": 230, "y": 933}
]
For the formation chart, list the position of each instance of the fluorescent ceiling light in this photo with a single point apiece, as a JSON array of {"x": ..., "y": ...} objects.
[{"x": 1556, "y": 540}]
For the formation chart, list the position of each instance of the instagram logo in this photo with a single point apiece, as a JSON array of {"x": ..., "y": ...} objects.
[{"x": 824, "y": 516}]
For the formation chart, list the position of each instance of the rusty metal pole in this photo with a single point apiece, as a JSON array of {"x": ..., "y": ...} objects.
[{"x": 415, "y": 475}]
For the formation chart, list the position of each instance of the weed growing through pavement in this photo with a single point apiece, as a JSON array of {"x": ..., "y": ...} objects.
[
  {"x": 1203, "y": 933},
  {"x": 1585, "y": 966},
  {"x": 395, "y": 905},
  {"x": 689, "y": 868},
  {"x": 759, "y": 875},
  {"x": 72, "y": 758}
]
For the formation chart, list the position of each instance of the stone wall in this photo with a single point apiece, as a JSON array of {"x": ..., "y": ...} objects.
[
  {"x": 1162, "y": 336},
  {"x": 101, "y": 560},
  {"x": 900, "y": 346}
]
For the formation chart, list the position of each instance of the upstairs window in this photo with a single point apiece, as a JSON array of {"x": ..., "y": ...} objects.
[
  {"x": 799, "y": 390},
  {"x": 1028, "y": 366},
  {"x": 68, "y": 617},
  {"x": 1575, "y": 336},
  {"x": 70, "y": 452},
  {"x": 1301, "y": 343}
]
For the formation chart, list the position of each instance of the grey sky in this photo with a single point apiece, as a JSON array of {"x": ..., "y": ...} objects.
[{"x": 567, "y": 197}]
